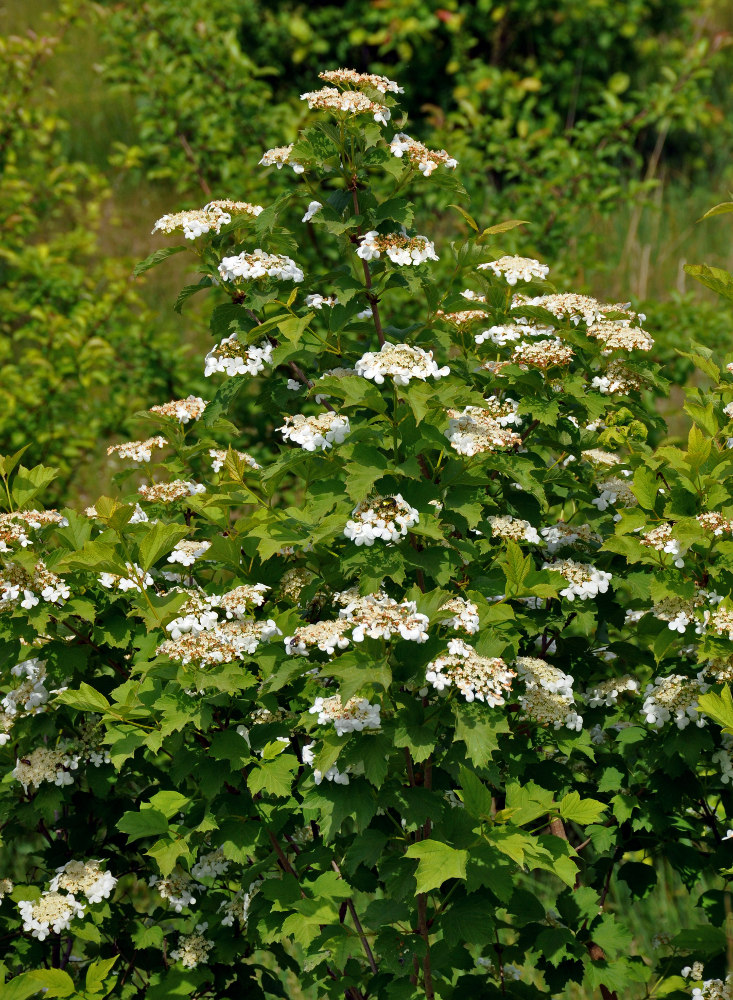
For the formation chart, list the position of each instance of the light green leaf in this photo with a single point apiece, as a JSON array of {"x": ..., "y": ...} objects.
[
  {"x": 147, "y": 823},
  {"x": 97, "y": 973},
  {"x": 87, "y": 699},
  {"x": 437, "y": 863},
  {"x": 719, "y": 707},
  {"x": 159, "y": 541},
  {"x": 156, "y": 258},
  {"x": 582, "y": 811}
]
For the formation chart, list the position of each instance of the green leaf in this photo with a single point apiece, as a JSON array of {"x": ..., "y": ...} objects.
[
  {"x": 223, "y": 398},
  {"x": 87, "y": 699},
  {"x": 645, "y": 487},
  {"x": 437, "y": 863},
  {"x": 97, "y": 972},
  {"x": 698, "y": 448},
  {"x": 715, "y": 278},
  {"x": 188, "y": 290},
  {"x": 719, "y": 707},
  {"x": 502, "y": 227},
  {"x": 722, "y": 209},
  {"x": 8, "y": 462},
  {"x": 54, "y": 982},
  {"x": 475, "y": 795},
  {"x": 156, "y": 258},
  {"x": 159, "y": 541},
  {"x": 479, "y": 727},
  {"x": 146, "y": 823},
  {"x": 169, "y": 802},
  {"x": 582, "y": 811},
  {"x": 469, "y": 218},
  {"x": 274, "y": 777}
]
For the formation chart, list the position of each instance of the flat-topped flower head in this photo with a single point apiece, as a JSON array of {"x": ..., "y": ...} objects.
[
  {"x": 6, "y": 887},
  {"x": 239, "y": 601},
  {"x": 316, "y": 301},
  {"x": 16, "y": 527},
  {"x": 225, "y": 643},
  {"x": 138, "y": 451},
  {"x": 354, "y": 716},
  {"x": 135, "y": 578},
  {"x": 605, "y": 694},
  {"x": 508, "y": 333},
  {"x": 476, "y": 677},
  {"x": 352, "y": 78},
  {"x": 256, "y": 264},
  {"x": 177, "y": 889},
  {"x": 319, "y": 432},
  {"x": 720, "y": 621},
  {"x": 464, "y": 317},
  {"x": 234, "y": 207},
  {"x": 187, "y": 551},
  {"x": 218, "y": 458},
  {"x": 536, "y": 672},
  {"x": 464, "y": 615},
  {"x": 198, "y": 614},
  {"x": 51, "y": 914},
  {"x": 715, "y": 523},
  {"x": 30, "y": 696},
  {"x": 294, "y": 581},
  {"x": 559, "y": 535},
  {"x": 542, "y": 354},
  {"x": 230, "y": 357},
  {"x": 401, "y": 363},
  {"x": 85, "y": 878},
  {"x": 211, "y": 864},
  {"x": 194, "y": 223},
  {"x": 327, "y": 636},
  {"x": 601, "y": 459},
  {"x": 278, "y": 156},
  {"x": 387, "y": 518},
  {"x": 514, "y": 269},
  {"x": 566, "y": 305},
  {"x": 177, "y": 489},
  {"x": 403, "y": 250},
  {"x": 193, "y": 949},
  {"x": 182, "y": 410},
  {"x": 674, "y": 697},
  {"x": 332, "y": 774},
  {"x": 620, "y": 335},
  {"x": 28, "y": 587},
  {"x": 617, "y": 380},
  {"x": 475, "y": 430},
  {"x": 661, "y": 539},
  {"x": 549, "y": 696},
  {"x": 380, "y": 617},
  {"x": 584, "y": 580},
  {"x": 514, "y": 529},
  {"x": 349, "y": 102},
  {"x": 44, "y": 765},
  {"x": 426, "y": 160}
]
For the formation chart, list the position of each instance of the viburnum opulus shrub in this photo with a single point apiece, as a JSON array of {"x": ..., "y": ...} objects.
[{"x": 396, "y": 700}]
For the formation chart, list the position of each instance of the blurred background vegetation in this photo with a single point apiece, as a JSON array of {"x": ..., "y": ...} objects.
[{"x": 608, "y": 124}]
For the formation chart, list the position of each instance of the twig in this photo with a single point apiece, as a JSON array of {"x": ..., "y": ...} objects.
[{"x": 359, "y": 929}]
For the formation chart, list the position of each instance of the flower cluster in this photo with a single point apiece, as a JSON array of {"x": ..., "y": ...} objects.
[
  {"x": 617, "y": 380},
  {"x": 16, "y": 525},
  {"x": 514, "y": 269},
  {"x": 28, "y": 588},
  {"x": 674, "y": 697},
  {"x": 715, "y": 523},
  {"x": 52, "y": 913},
  {"x": 31, "y": 695},
  {"x": 465, "y": 615},
  {"x": 254, "y": 264},
  {"x": 316, "y": 301},
  {"x": 380, "y": 617},
  {"x": 332, "y": 774},
  {"x": 352, "y": 78},
  {"x": 182, "y": 410},
  {"x": 278, "y": 156},
  {"x": 177, "y": 889},
  {"x": 56, "y": 766},
  {"x": 316, "y": 432},
  {"x": 294, "y": 581},
  {"x": 567, "y": 305},
  {"x": 464, "y": 317},
  {"x": 509, "y": 332},
  {"x": 84, "y": 878},
  {"x": 136, "y": 579},
  {"x": 549, "y": 696},
  {"x": 605, "y": 694},
  {"x": 388, "y": 518},
  {"x": 618, "y": 335},
  {"x": 197, "y": 615},
  {"x": 177, "y": 489},
  {"x": 660, "y": 538},
  {"x": 138, "y": 451},
  {"x": 230, "y": 357},
  {"x": 476, "y": 677},
  {"x": 513, "y": 528},
  {"x": 218, "y": 458},
  {"x": 193, "y": 949},
  {"x": 584, "y": 580},
  {"x": 542, "y": 354},
  {"x": 194, "y": 223},
  {"x": 328, "y": 636},
  {"x": 474, "y": 430},
  {"x": 210, "y": 865},
  {"x": 426, "y": 160},
  {"x": 401, "y": 363},
  {"x": 405, "y": 250},
  {"x": 614, "y": 492},
  {"x": 186, "y": 552},
  {"x": 357, "y": 714},
  {"x": 225, "y": 643},
  {"x": 351, "y": 102},
  {"x": 557, "y": 536}
]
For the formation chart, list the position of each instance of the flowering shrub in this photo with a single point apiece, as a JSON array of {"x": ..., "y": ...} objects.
[{"x": 390, "y": 703}]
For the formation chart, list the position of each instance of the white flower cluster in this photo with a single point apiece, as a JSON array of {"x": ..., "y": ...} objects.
[
  {"x": 187, "y": 551},
  {"x": 230, "y": 357},
  {"x": 475, "y": 430},
  {"x": 476, "y": 677},
  {"x": 509, "y": 332},
  {"x": 568, "y": 305},
  {"x": 194, "y": 223},
  {"x": 720, "y": 621},
  {"x": 388, "y": 518},
  {"x": 210, "y": 865},
  {"x": 86, "y": 878},
  {"x": 351, "y": 102},
  {"x": 513, "y": 528},
  {"x": 27, "y": 588},
  {"x": 352, "y": 78},
  {"x": 197, "y": 615},
  {"x": 464, "y": 317},
  {"x": 6, "y": 887},
  {"x": 193, "y": 949},
  {"x": 177, "y": 489},
  {"x": 426, "y": 160},
  {"x": 558, "y": 535},
  {"x": 52, "y": 913},
  {"x": 16, "y": 525},
  {"x": 278, "y": 156},
  {"x": 177, "y": 889},
  {"x": 617, "y": 380},
  {"x": 332, "y": 774},
  {"x": 542, "y": 354},
  {"x": 660, "y": 538},
  {"x": 254, "y": 264},
  {"x": 316, "y": 301},
  {"x": 224, "y": 643},
  {"x": 328, "y": 636},
  {"x": 401, "y": 363},
  {"x": 138, "y": 451},
  {"x": 31, "y": 695},
  {"x": 403, "y": 250},
  {"x": 55, "y": 766},
  {"x": 182, "y": 410},
  {"x": 724, "y": 760},
  {"x": 357, "y": 714},
  {"x": 238, "y": 907},
  {"x": 584, "y": 580},
  {"x": 678, "y": 612},
  {"x": 504, "y": 411},
  {"x": 465, "y": 615},
  {"x": 514, "y": 269},
  {"x": 549, "y": 695},
  {"x": 606, "y": 693},
  {"x": 136, "y": 579},
  {"x": 614, "y": 492},
  {"x": 715, "y": 523},
  {"x": 619, "y": 335},
  {"x": 380, "y": 617},
  {"x": 312, "y": 433},
  {"x": 218, "y": 458},
  {"x": 674, "y": 697}
]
